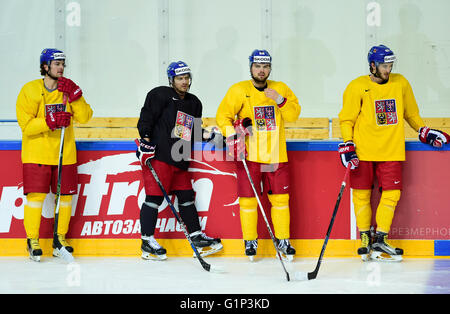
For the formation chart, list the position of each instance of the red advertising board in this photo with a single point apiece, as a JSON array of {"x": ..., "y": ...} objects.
[{"x": 110, "y": 193}]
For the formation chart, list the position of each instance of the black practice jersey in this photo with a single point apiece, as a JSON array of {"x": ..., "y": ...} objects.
[{"x": 172, "y": 124}]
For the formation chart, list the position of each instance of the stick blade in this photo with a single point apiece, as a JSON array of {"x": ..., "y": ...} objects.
[
  {"x": 64, "y": 254},
  {"x": 301, "y": 276},
  {"x": 312, "y": 275},
  {"x": 217, "y": 269},
  {"x": 212, "y": 268}
]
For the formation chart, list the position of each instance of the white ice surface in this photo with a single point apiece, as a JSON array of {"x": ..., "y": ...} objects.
[{"x": 181, "y": 275}]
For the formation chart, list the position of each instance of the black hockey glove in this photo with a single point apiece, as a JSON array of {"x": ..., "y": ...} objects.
[
  {"x": 145, "y": 151},
  {"x": 348, "y": 155},
  {"x": 433, "y": 137}
]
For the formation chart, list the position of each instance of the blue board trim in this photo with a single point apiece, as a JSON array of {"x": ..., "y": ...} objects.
[
  {"x": 107, "y": 145},
  {"x": 291, "y": 146},
  {"x": 10, "y": 145},
  {"x": 441, "y": 247}
]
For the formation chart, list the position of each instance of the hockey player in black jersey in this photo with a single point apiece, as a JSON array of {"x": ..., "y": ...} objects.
[{"x": 169, "y": 122}]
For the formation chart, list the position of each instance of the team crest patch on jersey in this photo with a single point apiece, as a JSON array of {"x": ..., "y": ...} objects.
[
  {"x": 54, "y": 108},
  {"x": 265, "y": 118},
  {"x": 386, "y": 112},
  {"x": 184, "y": 125}
]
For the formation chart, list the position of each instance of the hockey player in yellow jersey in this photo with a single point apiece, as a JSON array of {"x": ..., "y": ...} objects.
[
  {"x": 265, "y": 105},
  {"x": 41, "y": 114},
  {"x": 372, "y": 119}
]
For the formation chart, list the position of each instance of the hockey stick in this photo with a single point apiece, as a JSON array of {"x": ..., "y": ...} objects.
[
  {"x": 205, "y": 265},
  {"x": 62, "y": 250},
  {"x": 264, "y": 216},
  {"x": 313, "y": 274}
]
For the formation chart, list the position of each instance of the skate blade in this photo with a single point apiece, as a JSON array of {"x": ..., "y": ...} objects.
[
  {"x": 35, "y": 258},
  {"x": 365, "y": 257},
  {"x": 378, "y": 256},
  {"x": 213, "y": 249},
  {"x": 63, "y": 254},
  {"x": 251, "y": 258},
  {"x": 150, "y": 257}
]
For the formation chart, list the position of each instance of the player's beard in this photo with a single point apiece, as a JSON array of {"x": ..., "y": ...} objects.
[
  {"x": 55, "y": 78},
  {"x": 383, "y": 79},
  {"x": 181, "y": 92},
  {"x": 260, "y": 81}
]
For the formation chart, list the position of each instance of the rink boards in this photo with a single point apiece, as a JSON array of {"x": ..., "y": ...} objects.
[{"x": 105, "y": 214}]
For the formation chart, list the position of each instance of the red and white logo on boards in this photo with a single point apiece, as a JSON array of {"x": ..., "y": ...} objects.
[{"x": 110, "y": 194}]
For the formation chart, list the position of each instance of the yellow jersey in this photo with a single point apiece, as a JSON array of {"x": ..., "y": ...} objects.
[
  {"x": 373, "y": 115},
  {"x": 40, "y": 145},
  {"x": 268, "y": 142}
]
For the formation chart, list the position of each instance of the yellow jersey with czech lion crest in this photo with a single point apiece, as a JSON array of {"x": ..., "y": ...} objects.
[
  {"x": 373, "y": 115},
  {"x": 268, "y": 142}
]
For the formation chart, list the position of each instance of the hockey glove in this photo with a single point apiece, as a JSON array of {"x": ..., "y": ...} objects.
[
  {"x": 50, "y": 118},
  {"x": 433, "y": 137},
  {"x": 145, "y": 151},
  {"x": 348, "y": 155},
  {"x": 62, "y": 119},
  {"x": 236, "y": 142},
  {"x": 236, "y": 146},
  {"x": 243, "y": 126},
  {"x": 68, "y": 87}
]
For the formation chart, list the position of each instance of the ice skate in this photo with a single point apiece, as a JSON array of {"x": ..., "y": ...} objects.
[
  {"x": 286, "y": 250},
  {"x": 34, "y": 249},
  {"x": 250, "y": 248},
  {"x": 151, "y": 250},
  {"x": 381, "y": 247},
  {"x": 205, "y": 245},
  {"x": 364, "y": 250},
  {"x": 61, "y": 248}
]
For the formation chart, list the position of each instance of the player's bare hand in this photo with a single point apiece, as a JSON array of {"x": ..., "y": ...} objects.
[{"x": 271, "y": 93}]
